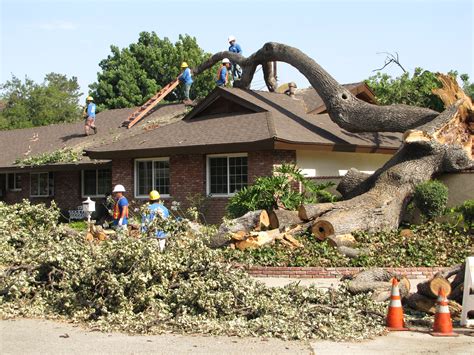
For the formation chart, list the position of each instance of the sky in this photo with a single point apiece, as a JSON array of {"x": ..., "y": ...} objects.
[{"x": 346, "y": 37}]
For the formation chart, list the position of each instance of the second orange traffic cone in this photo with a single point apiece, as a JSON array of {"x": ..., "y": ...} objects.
[
  {"x": 395, "y": 311},
  {"x": 443, "y": 327}
]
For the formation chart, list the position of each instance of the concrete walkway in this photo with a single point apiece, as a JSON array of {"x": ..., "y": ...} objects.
[{"x": 32, "y": 336}]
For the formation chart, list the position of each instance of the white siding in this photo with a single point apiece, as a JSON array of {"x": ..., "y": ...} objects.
[{"x": 335, "y": 163}]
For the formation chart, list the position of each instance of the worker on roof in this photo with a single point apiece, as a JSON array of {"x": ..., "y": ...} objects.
[
  {"x": 120, "y": 214},
  {"x": 235, "y": 48},
  {"x": 155, "y": 210},
  {"x": 186, "y": 79},
  {"x": 90, "y": 115},
  {"x": 223, "y": 73}
]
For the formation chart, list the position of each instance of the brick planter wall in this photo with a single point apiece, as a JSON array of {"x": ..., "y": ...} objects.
[{"x": 334, "y": 272}]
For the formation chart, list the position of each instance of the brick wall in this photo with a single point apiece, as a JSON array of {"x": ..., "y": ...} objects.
[
  {"x": 122, "y": 173},
  {"x": 334, "y": 272}
]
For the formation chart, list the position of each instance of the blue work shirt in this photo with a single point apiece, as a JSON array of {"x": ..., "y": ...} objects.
[
  {"x": 221, "y": 79},
  {"x": 118, "y": 209},
  {"x": 186, "y": 76},
  {"x": 153, "y": 210},
  {"x": 91, "y": 110},
  {"x": 235, "y": 48}
]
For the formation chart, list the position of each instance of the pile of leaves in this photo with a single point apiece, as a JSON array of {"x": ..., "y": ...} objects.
[
  {"x": 126, "y": 284},
  {"x": 63, "y": 155},
  {"x": 430, "y": 244}
]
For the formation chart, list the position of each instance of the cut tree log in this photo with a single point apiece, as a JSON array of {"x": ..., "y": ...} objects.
[
  {"x": 247, "y": 223},
  {"x": 428, "y": 305},
  {"x": 379, "y": 282},
  {"x": 431, "y": 287},
  {"x": 459, "y": 278},
  {"x": 311, "y": 211},
  {"x": 258, "y": 239},
  {"x": 264, "y": 220},
  {"x": 284, "y": 219},
  {"x": 346, "y": 240},
  {"x": 292, "y": 240},
  {"x": 457, "y": 293}
]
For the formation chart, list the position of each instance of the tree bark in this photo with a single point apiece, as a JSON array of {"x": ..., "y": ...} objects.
[
  {"x": 246, "y": 223},
  {"x": 284, "y": 219},
  {"x": 431, "y": 287},
  {"x": 379, "y": 282}
]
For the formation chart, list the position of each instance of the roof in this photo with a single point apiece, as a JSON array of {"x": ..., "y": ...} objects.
[
  {"x": 21, "y": 143},
  {"x": 231, "y": 119}
]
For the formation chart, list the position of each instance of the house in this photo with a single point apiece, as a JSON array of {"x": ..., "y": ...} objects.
[{"x": 224, "y": 143}]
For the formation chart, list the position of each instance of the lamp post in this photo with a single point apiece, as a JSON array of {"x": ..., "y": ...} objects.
[{"x": 88, "y": 206}]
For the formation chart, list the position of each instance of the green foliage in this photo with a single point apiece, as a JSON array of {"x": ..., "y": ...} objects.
[
  {"x": 431, "y": 244},
  {"x": 431, "y": 198},
  {"x": 467, "y": 211},
  {"x": 279, "y": 190},
  {"x": 126, "y": 284},
  {"x": 28, "y": 104},
  {"x": 80, "y": 226},
  {"x": 413, "y": 90},
  {"x": 63, "y": 155},
  {"x": 131, "y": 75}
]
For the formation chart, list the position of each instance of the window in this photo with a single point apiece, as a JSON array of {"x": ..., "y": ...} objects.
[
  {"x": 226, "y": 174},
  {"x": 42, "y": 184},
  {"x": 14, "y": 182},
  {"x": 152, "y": 174},
  {"x": 96, "y": 182}
]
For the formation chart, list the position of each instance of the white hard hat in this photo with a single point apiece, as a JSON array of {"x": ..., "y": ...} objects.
[
  {"x": 225, "y": 61},
  {"x": 231, "y": 38},
  {"x": 119, "y": 188}
]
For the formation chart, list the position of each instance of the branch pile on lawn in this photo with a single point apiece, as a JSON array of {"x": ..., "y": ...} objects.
[
  {"x": 430, "y": 244},
  {"x": 126, "y": 284}
]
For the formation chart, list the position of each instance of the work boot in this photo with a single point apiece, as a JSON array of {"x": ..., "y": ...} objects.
[{"x": 95, "y": 129}]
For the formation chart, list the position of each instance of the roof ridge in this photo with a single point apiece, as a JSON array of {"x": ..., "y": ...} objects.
[{"x": 270, "y": 124}]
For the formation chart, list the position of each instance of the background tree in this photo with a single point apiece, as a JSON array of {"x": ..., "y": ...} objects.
[
  {"x": 28, "y": 104},
  {"x": 132, "y": 75},
  {"x": 415, "y": 90}
]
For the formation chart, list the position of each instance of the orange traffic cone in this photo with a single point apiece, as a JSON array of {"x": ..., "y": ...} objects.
[
  {"x": 443, "y": 327},
  {"x": 395, "y": 310}
]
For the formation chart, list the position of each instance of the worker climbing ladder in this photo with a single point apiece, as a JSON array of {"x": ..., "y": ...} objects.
[{"x": 136, "y": 116}]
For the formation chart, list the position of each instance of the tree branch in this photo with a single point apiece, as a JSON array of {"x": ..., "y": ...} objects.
[{"x": 343, "y": 107}]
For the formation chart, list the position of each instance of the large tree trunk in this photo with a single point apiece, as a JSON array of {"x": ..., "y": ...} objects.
[{"x": 433, "y": 143}]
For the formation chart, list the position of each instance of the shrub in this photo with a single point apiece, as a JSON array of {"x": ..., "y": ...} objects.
[
  {"x": 467, "y": 211},
  {"x": 431, "y": 198},
  {"x": 279, "y": 190}
]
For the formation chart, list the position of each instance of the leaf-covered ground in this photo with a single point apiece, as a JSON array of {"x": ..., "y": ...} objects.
[
  {"x": 430, "y": 244},
  {"x": 126, "y": 284}
]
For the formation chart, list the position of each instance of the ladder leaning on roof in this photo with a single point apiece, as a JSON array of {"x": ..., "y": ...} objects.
[{"x": 136, "y": 116}]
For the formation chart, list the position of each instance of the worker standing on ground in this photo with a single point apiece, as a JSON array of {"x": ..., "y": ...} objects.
[
  {"x": 155, "y": 210},
  {"x": 90, "y": 115},
  {"x": 223, "y": 73},
  {"x": 235, "y": 48},
  {"x": 186, "y": 79},
  {"x": 120, "y": 215}
]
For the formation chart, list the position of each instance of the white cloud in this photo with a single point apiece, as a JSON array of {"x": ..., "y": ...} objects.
[{"x": 58, "y": 25}]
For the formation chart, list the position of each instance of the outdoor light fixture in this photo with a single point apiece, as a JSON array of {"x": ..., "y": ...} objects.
[{"x": 88, "y": 206}]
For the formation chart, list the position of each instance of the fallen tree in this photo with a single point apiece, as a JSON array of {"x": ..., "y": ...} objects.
[{"x": 433, "y": 142}]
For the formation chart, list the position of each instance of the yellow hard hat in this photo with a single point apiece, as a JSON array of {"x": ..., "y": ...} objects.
[
  {"x": 184, "y": 65},
  {"x": 90, "y": 98},
  {"x": 154, "y": 195}
]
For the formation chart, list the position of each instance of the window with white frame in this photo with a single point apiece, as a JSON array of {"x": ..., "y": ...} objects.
[
  {"x": 14, "y": 182},
  {"x": 226, "y": 174},
  {"x": 152, "y": 174},
  {"x": 96, "y": 182},
  {"x": 41, "y": 184}
]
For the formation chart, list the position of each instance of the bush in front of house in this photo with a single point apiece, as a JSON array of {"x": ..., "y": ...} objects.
[
  {"x": 467, "y": 212},
  {"x": 281, "y": 190},
  {"x": 431, "y": 198}
]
